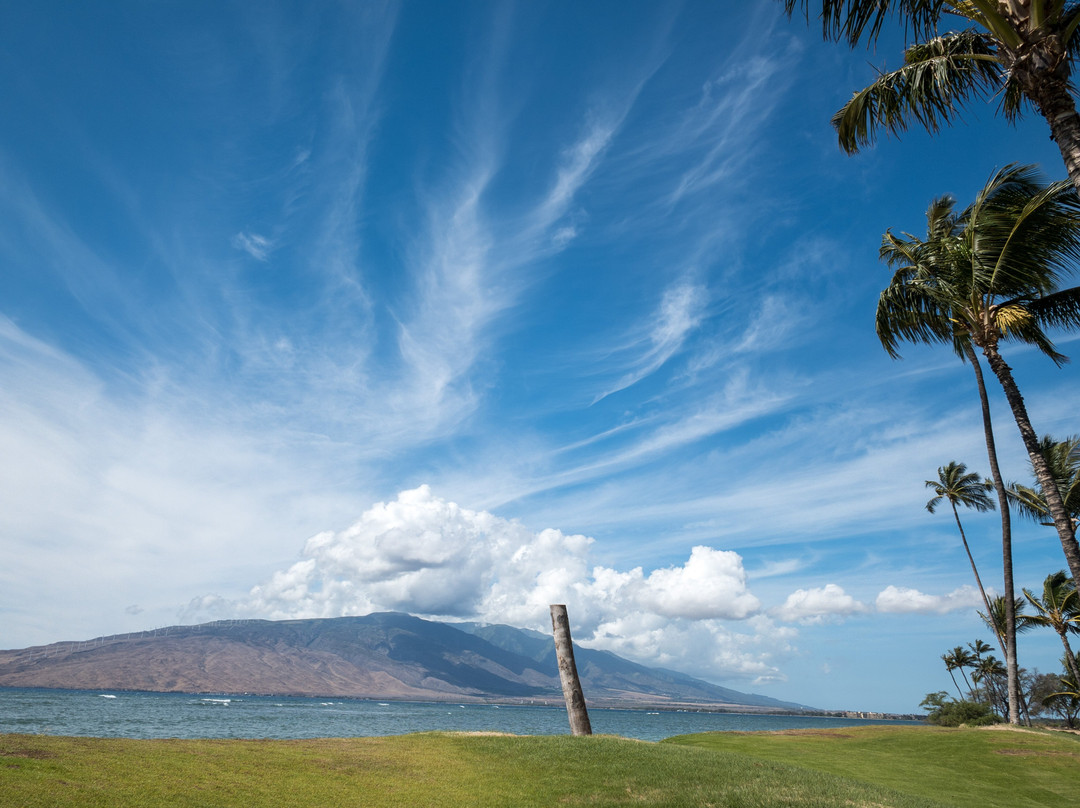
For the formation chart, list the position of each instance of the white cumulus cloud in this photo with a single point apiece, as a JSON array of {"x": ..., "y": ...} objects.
[
  {"x": 712, "y": 583},
  {"x": 424, "y": 555},
  {"x": 901, "y": 600},
  {"x": 817, "y": 605}
]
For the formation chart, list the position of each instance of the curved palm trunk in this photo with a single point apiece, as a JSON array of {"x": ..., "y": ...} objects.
[
  {"x": 1070, "y": 657},
  {"x": 955, "y": 684},
  {"x": 999, "y": 696},
  {"x": 974, "y": 569},
  {"x": 1050, "y": 93},
  {"x": 970, "y": 687},
  {"x": 1047, "y": 485},
  {"x": 1008, "y": 642}
]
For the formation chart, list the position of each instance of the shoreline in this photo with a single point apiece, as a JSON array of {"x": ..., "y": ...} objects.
[{"x": 630, "y": 705}]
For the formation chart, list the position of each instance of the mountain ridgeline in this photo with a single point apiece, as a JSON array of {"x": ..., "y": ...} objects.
[{"x": 378, "y": 656}]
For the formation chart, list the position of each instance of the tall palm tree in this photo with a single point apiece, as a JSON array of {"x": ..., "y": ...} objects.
[
  {"x": 988, "y": 274},
  {"x": 1016, "y": 51},
  {"x": 943, "y": 229},
  {"x": 961, "y": 487},
  {"x": 1059, "y": 609},
  {"x": 983, "y": 275}
]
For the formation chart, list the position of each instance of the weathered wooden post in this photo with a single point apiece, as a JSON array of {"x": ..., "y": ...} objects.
[{"x": 568, "y": 676}]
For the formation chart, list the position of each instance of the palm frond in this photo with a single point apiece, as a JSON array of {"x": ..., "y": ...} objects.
[
  {"x": 1028, "y": 234},
  {"x": 961, "y": 487},
  {"x": 907, "y": 313},
  {"x": 1063, "y": 463},
  {"x": 1058, "y": 309},
  {"x": 1069, "y": 24},
  {"x": 987, "y": 14},
  {"x": 1030, "y": 332},
  {"x": 936, "y": 79},
  {"x": 996, "y": 619},
  {"x": 1028, "y": 502},
  {"x": 852, "y": 20},
  {"x": 1013, "y": 100}
]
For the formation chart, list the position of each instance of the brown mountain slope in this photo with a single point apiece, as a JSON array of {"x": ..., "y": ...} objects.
[{"x": 380, "y": 656}]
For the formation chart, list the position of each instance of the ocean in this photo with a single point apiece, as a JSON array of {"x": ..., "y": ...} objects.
[{"x": 177, "y": 715}]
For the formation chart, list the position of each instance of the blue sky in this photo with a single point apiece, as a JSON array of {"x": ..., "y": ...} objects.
[{"x": 463, "y": 309}]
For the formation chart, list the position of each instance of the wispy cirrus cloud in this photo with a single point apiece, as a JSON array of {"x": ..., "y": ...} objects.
[
  {"x": 147, "y": 482},
  {"x": 734, "y": 105},
  {"x": 681, "y": 310},
  {"x": 258, "y": 247},
  {"x": 470, "y": 257}
]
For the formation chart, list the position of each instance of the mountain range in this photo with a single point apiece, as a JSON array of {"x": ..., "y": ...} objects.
[{"x": 379, "y": 656}]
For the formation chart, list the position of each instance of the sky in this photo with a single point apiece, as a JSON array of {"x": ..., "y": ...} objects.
[{"x": 464, "y": 309}]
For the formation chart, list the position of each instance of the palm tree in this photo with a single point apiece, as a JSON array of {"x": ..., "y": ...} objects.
[
  {"x": 997, "y": 621},
  {"x": 1066, "y": 701},
  {"x": 985, "y": 275},
  {"x": 1063, "y": 461},
  {"x": 1059, "y": 609},
  {"x": 958, "y": 658},
  {"x": 961, "y": 487},
  {"x": 982, "y": 275},
  {"x": 990, "y": 671},
  {"x": 995, "y": 618},
  {"x": 1018, "y": 51},
  {"x": 950, "y": 666}
]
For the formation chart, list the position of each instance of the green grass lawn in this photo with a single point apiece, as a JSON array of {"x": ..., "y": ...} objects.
[
  {"x": 963, "y": 767},
  {"x": 891, "y": 766}
]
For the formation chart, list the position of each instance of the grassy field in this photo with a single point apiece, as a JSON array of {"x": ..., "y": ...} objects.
[
  {"x": 985, "y": 767},
  {"x": 877, "y": 767}
]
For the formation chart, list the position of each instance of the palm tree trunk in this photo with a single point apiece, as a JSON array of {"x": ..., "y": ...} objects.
[
  {"x": 1008, "y": 642},
  {"x": 1001, "y": 698},
  {"x": 970, "y": 687},
  {"x": 1047, "y": 485},
  {"x": 1050, "y": 93},
  {"x": 974, "y": 569},
  {"x": 1070, "y": 657},
  {"x": 957, "y": 686},
  {"x": 576, "y": 710}
]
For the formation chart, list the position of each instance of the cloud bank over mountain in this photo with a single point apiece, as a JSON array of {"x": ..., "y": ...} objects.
[{"x": 427, "y": 556}]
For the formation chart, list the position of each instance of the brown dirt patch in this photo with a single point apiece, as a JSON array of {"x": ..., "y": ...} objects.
[
  {"x": 32, "y": 754},
  {"x": 827, "y": 733}
]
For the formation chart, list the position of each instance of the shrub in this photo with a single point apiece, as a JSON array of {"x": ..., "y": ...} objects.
[{"x": 947, "y": 712}]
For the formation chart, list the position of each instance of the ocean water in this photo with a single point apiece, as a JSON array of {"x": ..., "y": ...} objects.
[{"x": 176, "y": 715}]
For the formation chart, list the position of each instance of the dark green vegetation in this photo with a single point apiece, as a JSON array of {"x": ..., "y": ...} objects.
[
  {"x": 946, "y": 712},
  {"x": 871, "y": 766},
  {"x": 957, "y": 767},
  {"x": 1040, "y": 695}
]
